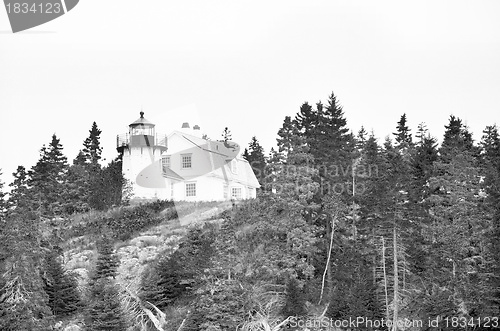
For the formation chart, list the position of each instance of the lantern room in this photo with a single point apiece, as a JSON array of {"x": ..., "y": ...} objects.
[{"x": 142, "y": 132}]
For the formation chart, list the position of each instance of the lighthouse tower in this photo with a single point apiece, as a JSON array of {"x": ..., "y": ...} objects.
[{"x": 141, "y": 150}]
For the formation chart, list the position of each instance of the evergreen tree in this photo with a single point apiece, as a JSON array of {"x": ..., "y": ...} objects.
[
  {"x": 180, "y": 273},
  {"x": 60, "y": 286},
  {"x": 403, "y": 135},
  {"x": 332, "y": 146},
  {"x": 457, "y": 248},
  {"x": 163, "y": 284},
  {"x": 107, "y": 262},
  {"x": 426, "y": 154},
  {"x": 457, "y": 138},
  {"x": 287, "y": 136},
  {"x": 361, "y": 138},
  {"x": 306, "y": 119},
  {"x": 92, "y": 147},
  {"x": 19, "y": 193},
  {"x": 23, "y": 301},
  {"x": 295, "y": 303},
  {"x": 114, "y": 189},
  {"x": 255, "y": 156},
  {"x": 78, "y": 192},
  {"x": 47, "y": 180},
  {"x": 104, "y": 311},
  {"x": 3, "y": 202},
  {"x": 490, "y": 162},
  {"x": 226, "y": 134}
]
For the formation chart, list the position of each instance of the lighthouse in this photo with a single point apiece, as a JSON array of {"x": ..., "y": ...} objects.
[{"x": 142, "y": 148}]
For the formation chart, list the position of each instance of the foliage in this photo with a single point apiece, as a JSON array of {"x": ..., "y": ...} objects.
[
  {"x": 226, "y": 134},
  {"x": 104, "y": 311},
  {"x": 255, "y": 156},
  {"x": 23, "y": 301},
  {"x": 60, "y": 286}
]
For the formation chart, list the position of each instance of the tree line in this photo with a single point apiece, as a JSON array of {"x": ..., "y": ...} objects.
[{"x": 344, "y": 226}]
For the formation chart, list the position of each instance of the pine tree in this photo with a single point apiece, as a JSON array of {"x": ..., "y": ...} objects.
[
  {"x": 226, "y": 134},
  {"x": 457, "y": 138},
  {"x": 287, "y": 136},
  {"x": 255, "y": 156},
  {"x": 306, "y": 119},
  {"x": 60, "y": 286},
  {"x": 114, "y": 189},
  {"x": 403, "y": 136},
  {"x": 456, "y": 247},
  {"x": 426, "y": 154},
  {"x": 295, "y": 302},
  {"x": 490, "y": 163},
  {"x": 3, "y": 202},
  {"x": 104, "y": 311},
  {"x": 19, "y": 193},
  {"x": 47, "y": 180},
  {"x": 92, "y": 147},
  {"x": 361, "y": 138},
  {"x": 332, "y": 146},
  {"x": 23, "y": 301},
  {"x": 107, "y": 262}
]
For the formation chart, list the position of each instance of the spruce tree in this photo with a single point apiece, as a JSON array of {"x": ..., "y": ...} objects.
[
  {"x": 457, "y": 248},
  {"x": 402, "y": 135},
  {"x": 104, "y": 311},
  {"x": 425, "y": 155},
  {"x": 255, "y": 156},
  {"x": 92, "y": 147},
  {"x": 60, "y": 286},
  {"x": 294, "y": 303},
  {"x": 457, "y": 138},
  {"x": 287, "y": 136},
  {"x": 19, "y": 193},
  {"x": 361, "y": 138},
  {"x": 107, "y": 262},
  {"x": 226, "y": 134},
  {"x": 47, "y": 180},
  {"x": 490, "y": 162},
  {"x": 23, "y": 301},
  {"x": 306, "y": 120},
  {"x": 3, "y": 202}
]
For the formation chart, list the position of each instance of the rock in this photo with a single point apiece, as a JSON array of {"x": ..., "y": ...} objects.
[
  {"x": 144, "y": 241},
  {"x": 73, "y": 327}
]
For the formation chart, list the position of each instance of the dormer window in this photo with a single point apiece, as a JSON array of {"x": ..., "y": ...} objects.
[
  {"x": 165, "y": 163},
  {"x": 234, "y": 167},
  {"x": 186, "y": 161}
]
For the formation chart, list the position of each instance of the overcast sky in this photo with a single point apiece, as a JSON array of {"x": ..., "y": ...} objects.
[{"x": 244, "y": 65}]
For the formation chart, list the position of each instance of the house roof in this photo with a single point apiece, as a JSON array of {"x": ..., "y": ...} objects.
[{"x": 228, "y": 153}]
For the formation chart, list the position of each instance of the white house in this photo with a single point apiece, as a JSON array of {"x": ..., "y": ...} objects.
[{"x": 183, "y": 166}]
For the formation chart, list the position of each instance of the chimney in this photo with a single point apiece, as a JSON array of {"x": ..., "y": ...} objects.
[
  {"x": 185, "y": 128},
  {"x": 197, "y": 131}
]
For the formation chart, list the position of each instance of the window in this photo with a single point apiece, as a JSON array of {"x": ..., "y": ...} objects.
[
  {"x": 165, "y": 163},
  {"x": 250, "y": 192},
  {"x": 236, "y": 193},
  {"x": 190, "y": 189},
  {"x": 185, "y": 161},
  {"x": 234, "y": 167}
]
